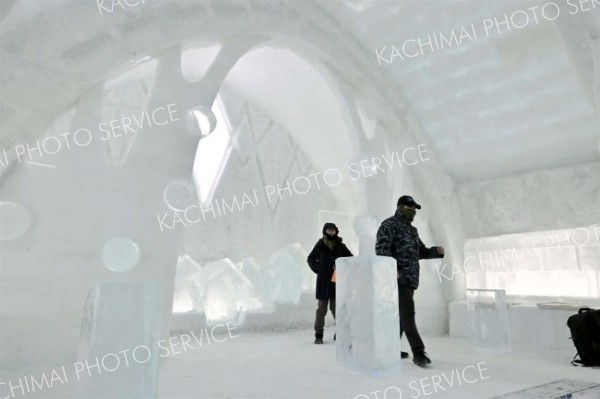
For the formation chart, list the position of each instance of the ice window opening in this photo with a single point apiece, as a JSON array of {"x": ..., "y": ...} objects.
[
  {"x": 558, "y": 263},
  {"x": 212, "y": 153}
]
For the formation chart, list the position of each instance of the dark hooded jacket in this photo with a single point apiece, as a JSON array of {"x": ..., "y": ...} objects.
[
  {"x": 399, "y": 239},
  {"x": 322, "y": 261}
]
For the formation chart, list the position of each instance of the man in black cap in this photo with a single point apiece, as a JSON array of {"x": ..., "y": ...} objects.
[
  {"x": 322, "y": 261},
  {"x": 399, "y": 239}
]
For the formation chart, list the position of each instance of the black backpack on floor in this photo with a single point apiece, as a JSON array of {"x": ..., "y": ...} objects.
[{"x": 585, "y": 333}]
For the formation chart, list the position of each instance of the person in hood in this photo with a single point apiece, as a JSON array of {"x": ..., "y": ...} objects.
[
  {"x": 399, "y": 239},
  {"x": 322, "y": 261}
]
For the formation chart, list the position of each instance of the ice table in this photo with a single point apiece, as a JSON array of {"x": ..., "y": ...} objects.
[{"x": 488, "y": 319}]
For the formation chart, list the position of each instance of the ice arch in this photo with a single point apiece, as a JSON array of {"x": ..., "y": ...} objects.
[
  {"x": 83, "y": 207},
  {"x": 277, "y": 134}
]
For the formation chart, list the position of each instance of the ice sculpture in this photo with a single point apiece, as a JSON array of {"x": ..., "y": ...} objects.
[
  {"x": 252, "y": 271},
  {"x": 185, "y": 299},
  {"x": 268, "y": 284},
  {"x": 367, "y": 322},
  {"x": 120, "y": 254},
  {"x": 488, "y": 319},
  {"x": 288, "y": 267},
  {"x": 226, "y": 294},
  {"x": 299, "y": 254},
  {"x": 118, "y": 355}
]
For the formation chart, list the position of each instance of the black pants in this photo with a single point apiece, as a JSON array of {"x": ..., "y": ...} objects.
[
  {"x": 406, "y": 304},
  {"x": 321, "y": 312}
]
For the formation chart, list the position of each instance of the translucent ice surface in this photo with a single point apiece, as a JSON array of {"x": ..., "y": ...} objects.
[
  {"x": 119, "y": 316},
  {"x": 488, "y": 319},
  {"x": 542, "y": 263},
  {"x": 299, "y": 254},
  {"x": 268, "y": 284},
  {"x": 252, "y": 271},
  {"x": 366, "y": 227},
  {"x": 367, "y": 322},
  {"x": 184, "y": 296},
  {"x": 225, "y": 292},
  {"x": 120, "y": 254},
  {"x": 288, "y": 271}
]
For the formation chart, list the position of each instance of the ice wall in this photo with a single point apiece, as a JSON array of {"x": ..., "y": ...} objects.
[
  {"x": 430, "y": 302},
  {"x": 85, "y": 201},
  {"x": 544, "y": 200}
]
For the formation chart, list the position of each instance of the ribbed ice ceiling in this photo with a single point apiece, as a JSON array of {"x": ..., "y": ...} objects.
[{"x": 496, "y": 106}]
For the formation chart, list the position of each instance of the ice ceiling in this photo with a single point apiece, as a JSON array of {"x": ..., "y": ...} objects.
[
  {"x": 497, "y": 105},
  {"x": 489, "y": 99}
]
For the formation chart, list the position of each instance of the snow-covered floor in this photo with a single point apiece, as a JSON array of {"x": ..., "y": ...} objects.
[{"x": 288, "y": 365}]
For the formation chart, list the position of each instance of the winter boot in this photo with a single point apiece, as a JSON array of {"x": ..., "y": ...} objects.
[
  {"x": 319, "y": 338},
  {"x": 421, "y": 359}
]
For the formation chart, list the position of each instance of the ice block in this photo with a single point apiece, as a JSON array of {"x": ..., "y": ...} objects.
[
  {"x": 120, "y": 316},
  {"x": 488, "y": 319},
  {"x": 367, "y": 318}
]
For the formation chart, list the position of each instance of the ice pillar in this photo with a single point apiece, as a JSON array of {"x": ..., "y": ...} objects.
[{"x": 367, "y": 325}]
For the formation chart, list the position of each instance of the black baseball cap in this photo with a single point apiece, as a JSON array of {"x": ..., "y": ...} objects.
[{"x": 408, "y": 200}]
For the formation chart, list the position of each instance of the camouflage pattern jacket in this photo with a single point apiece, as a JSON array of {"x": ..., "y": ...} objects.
[{"x": 399, "y": 239}]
